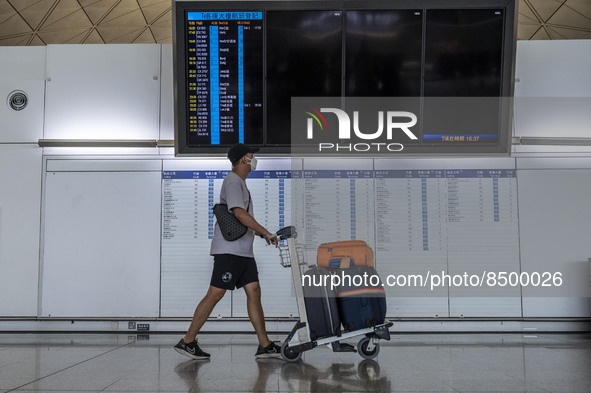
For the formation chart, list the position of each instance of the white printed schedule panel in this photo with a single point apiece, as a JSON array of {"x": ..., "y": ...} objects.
[
  {"x": 421, "y": 222},
  {"x": 271, "y": 194},
  {"x": 483, "y": 237},
  {"x": 338, "y": 205},
  {"x": 442, "y": 217},
  {"x": 411, "y": 237},
  {"x": 188, "y": 196},
  {"x": 187, "y": 228}
]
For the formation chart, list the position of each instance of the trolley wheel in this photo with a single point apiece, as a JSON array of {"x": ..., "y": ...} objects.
[
  {"x": 363, "y": 350},
  {"x": 288, "y": 354}
]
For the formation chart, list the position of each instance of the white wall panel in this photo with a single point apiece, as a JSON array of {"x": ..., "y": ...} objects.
[
  {"x": 553, "y": 88},
  {"x": 102, "y": 244},
  {"x": 103, "y": 92},
  {"x": 22, "y": 68},
  {"x": 19, "y": 63},
  {"x": 90, "y": 165},
  {"x": 554, "y": 227},
  {"x": 20, "y": 201},
  {"x": 26, "y": 124},
  {"x": 167, "y": 95},
  {"x": 555, "y": 68},
  {"x": 567, "y": 163}
]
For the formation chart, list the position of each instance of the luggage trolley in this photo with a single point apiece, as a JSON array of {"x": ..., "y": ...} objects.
[{"x": 299, "y": 339}]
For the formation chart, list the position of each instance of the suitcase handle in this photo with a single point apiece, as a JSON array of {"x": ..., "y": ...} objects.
[
  {"x": 352, "y": 262},
  {"x": 341, "y": 262}
]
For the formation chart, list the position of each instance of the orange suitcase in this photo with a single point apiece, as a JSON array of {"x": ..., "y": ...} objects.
[{"x": 345, "y": 254}]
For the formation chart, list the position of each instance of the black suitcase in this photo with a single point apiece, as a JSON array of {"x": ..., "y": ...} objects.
[
  {"x": 321, "y": 305},
  {"x": 361, "y": 306}
]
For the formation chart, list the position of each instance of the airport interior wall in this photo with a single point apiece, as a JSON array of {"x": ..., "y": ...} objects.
[{"x": 91, "y": 238}]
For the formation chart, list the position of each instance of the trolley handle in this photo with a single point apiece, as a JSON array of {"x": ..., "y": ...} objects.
[{"x": 287, "y": 233}]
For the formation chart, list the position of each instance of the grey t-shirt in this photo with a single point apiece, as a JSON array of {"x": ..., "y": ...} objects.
[{"x": 234, "y": 193}]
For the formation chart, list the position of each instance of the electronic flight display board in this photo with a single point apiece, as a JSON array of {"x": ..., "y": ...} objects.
[
  {"x": 224, "y": 77},
  {"x": 239, "y": 64}
]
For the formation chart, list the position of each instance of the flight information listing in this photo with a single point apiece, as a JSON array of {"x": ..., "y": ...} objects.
[{"x": 225, "y": 77}]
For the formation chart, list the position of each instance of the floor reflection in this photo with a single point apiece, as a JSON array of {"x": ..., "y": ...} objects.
[
  {"x": 303, "y": 377},
  {"x": 298, "y": 377},
  {"x": 409, "y": 363}
]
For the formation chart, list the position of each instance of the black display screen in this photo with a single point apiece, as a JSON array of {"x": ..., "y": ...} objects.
[
  {"x": 304, "y": 56},
  {"x": 224, "y": 77},
  {"x": 383, "y": 53},
  {"x": 463, "y": 53},
  {"x": 449, "y": 64},
  {"x": 463, "y": 58}
]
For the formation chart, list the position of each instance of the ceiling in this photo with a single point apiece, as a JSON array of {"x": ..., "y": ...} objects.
[{"x": 43, "y": 22}]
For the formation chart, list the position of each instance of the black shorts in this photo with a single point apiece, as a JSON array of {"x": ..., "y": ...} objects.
[{"x": 232, "y": 271}]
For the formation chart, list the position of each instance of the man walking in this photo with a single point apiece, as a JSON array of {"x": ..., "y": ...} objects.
[{"x": 234, "y": 263}]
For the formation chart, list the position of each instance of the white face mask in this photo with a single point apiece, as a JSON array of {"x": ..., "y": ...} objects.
[{"x": 253, "y": 163}]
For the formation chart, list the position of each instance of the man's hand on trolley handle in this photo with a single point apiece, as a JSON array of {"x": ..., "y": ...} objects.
[{"x": 270, "y": 238}]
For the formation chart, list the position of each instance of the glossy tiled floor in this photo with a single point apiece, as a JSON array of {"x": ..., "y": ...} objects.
[{"x": 408, "y": 363}]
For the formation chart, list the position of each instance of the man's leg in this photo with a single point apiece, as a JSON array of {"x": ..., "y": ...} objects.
[
  {"x": 255, "y": 312},
  {"x": 203, "y": 311}
]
